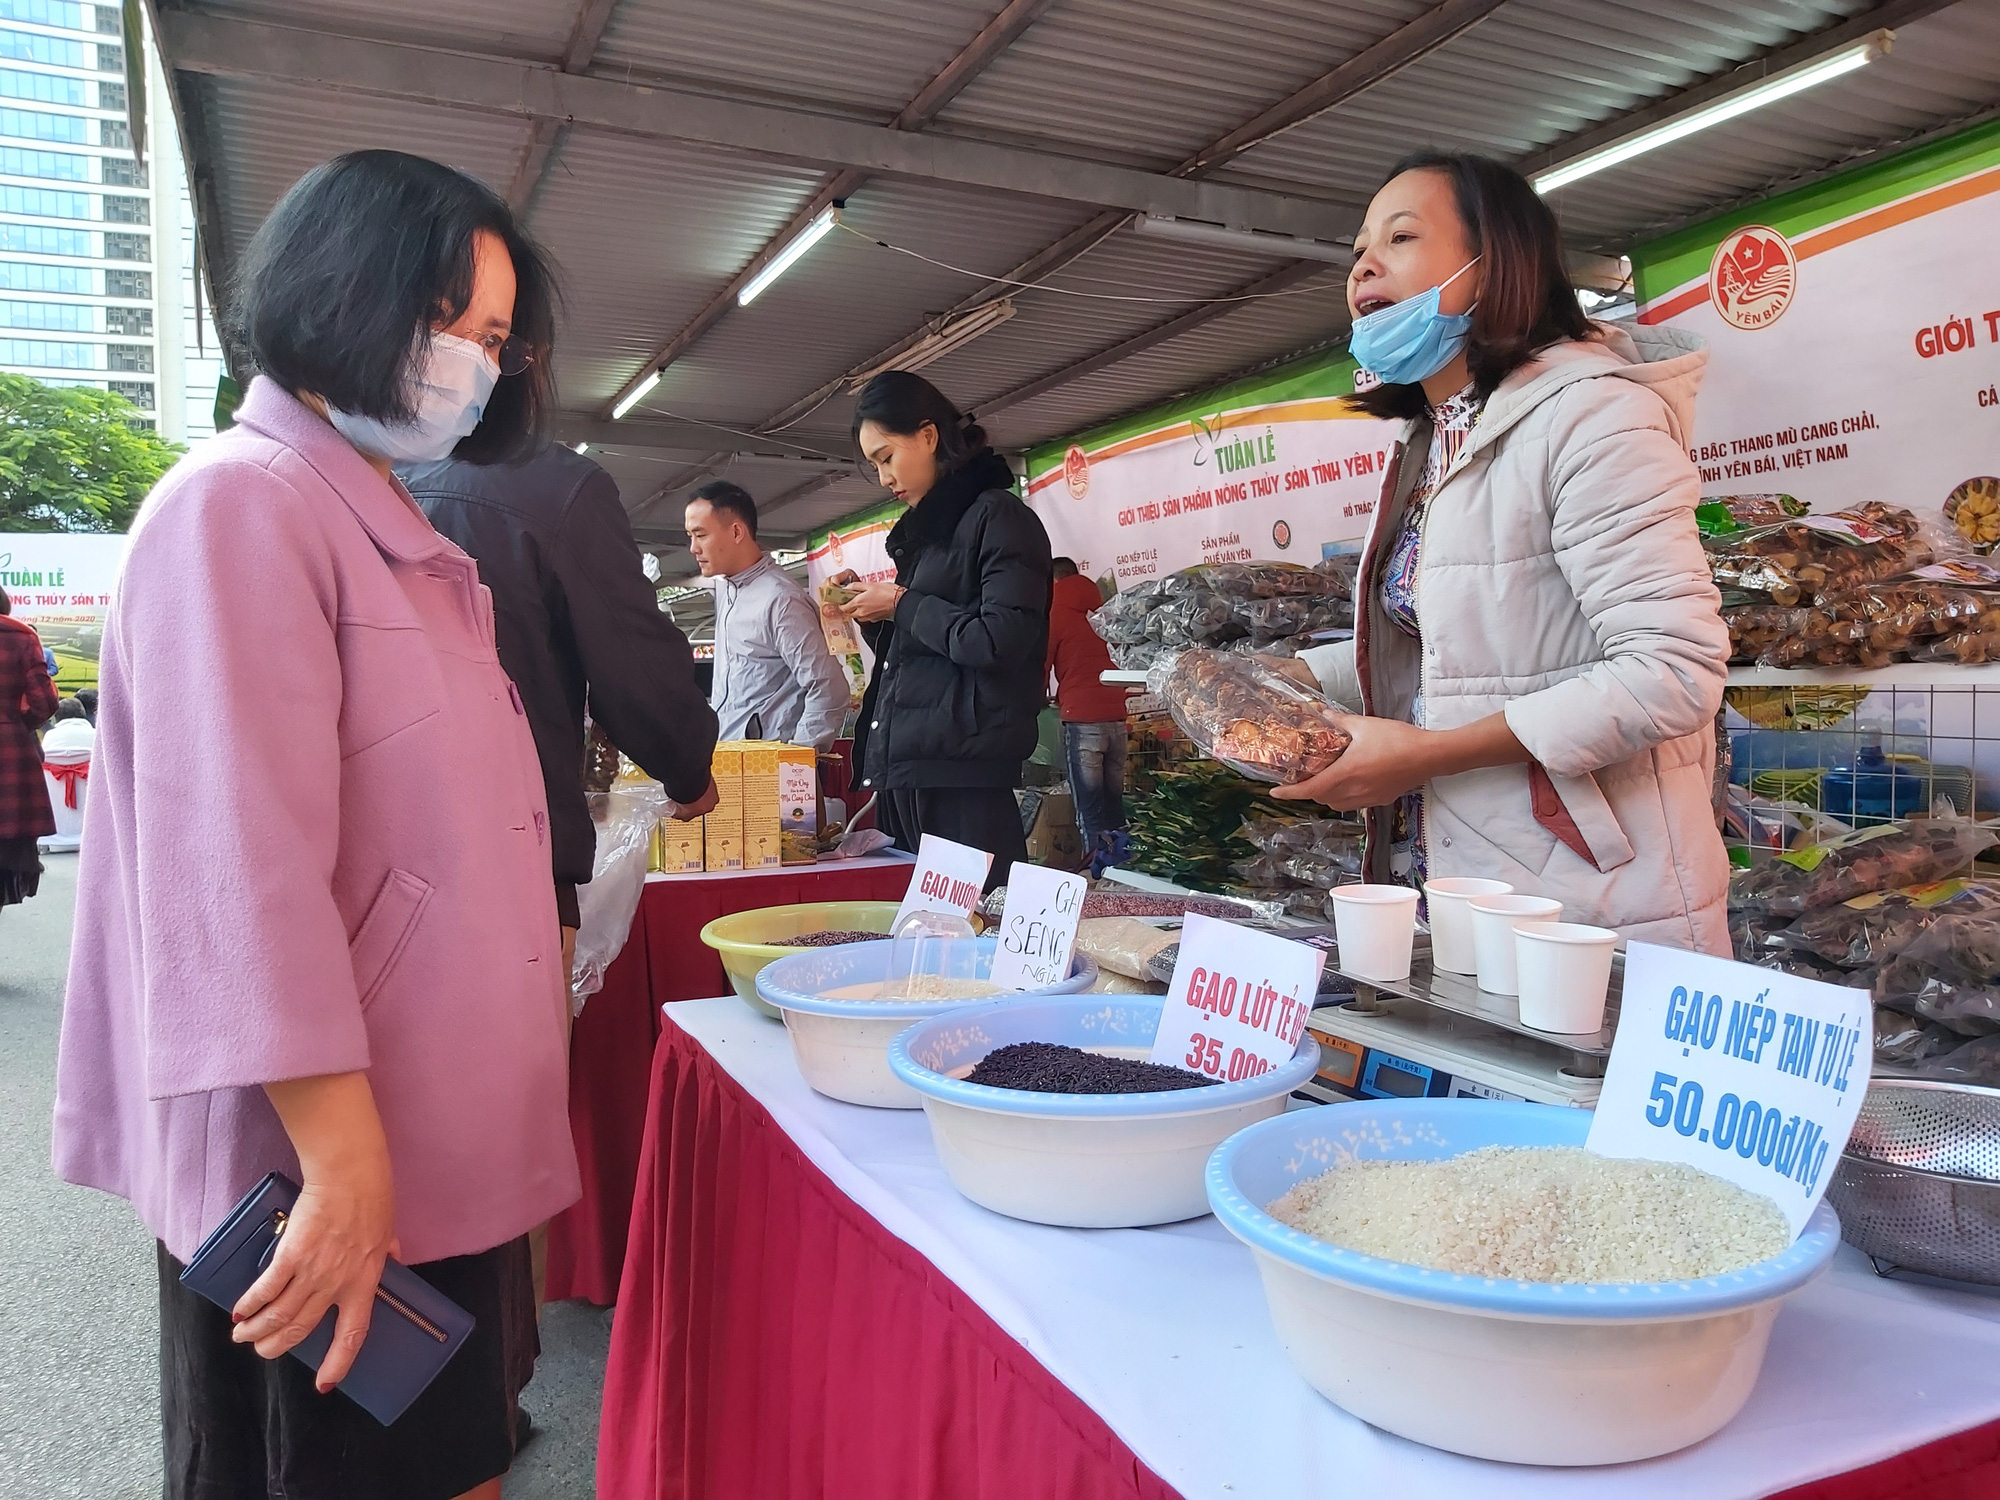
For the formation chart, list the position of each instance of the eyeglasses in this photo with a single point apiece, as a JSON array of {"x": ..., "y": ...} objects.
[{"x": 515, "y": 356}]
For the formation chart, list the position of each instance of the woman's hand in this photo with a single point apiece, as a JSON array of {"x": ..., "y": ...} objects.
[
  {"x": 1389, "y": 758},
  {"x": 339, "y": 1232},
  {"x": 873, "y": 601}
]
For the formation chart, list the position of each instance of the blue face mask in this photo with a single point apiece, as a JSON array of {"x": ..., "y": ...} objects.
[
  {"x": 448, "y": 396},
  {"x": 1410, "y": 341}
]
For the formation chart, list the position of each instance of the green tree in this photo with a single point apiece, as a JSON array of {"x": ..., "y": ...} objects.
[{"x": 70, "y": 458}]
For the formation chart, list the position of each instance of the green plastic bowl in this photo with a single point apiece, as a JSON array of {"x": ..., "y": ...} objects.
[{"x": 748, "y": 940}]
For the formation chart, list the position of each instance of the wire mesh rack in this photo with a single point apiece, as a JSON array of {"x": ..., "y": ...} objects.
[{"x": 1802, "y": 761}]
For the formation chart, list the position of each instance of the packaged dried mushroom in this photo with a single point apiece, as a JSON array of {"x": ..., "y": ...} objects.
[
  {"x": 1877, "y": 927},
  {"x": 1248, "y": 716},
  {"x": 1874, "y": 859},
  {"x": 1798, "y": 560}
]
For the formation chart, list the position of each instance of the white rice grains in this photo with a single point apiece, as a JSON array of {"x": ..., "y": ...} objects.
[{"x": 1540, "y": 1213}]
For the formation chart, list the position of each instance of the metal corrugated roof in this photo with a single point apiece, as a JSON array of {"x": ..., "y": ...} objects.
[{"x": 652, "y": 227}]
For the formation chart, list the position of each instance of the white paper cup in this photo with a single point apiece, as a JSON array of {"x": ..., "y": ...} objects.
[
  {"x": 1564, "y": 969},
  {"x": 1376, "y": 926},
  {"x": 1493, "y": 919},
  {"x": 1451, "y": 921}
]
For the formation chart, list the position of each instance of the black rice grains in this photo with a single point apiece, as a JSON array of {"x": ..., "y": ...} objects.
[{"x": 1049, "y": 1068}]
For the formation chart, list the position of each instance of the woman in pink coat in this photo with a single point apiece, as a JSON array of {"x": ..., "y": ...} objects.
[{"x": 325, "y": 943}]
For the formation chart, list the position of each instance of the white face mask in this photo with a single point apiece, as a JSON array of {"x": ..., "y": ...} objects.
[{"x": 448, "y": 395}]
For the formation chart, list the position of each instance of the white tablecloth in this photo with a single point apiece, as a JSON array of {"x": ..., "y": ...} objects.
[{"x": 1164, "y": 1333}]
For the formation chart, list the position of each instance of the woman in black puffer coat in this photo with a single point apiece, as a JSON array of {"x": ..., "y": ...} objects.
[{"x": 959, "y": 637}]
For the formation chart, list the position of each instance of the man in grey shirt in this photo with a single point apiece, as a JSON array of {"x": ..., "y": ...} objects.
[{"x": 774, "y": 677}]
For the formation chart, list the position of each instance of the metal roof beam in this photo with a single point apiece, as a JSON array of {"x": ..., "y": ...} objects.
[
  {"x": 1408, "y": 43},
  {"x": 1891, "y": 14},
  {"x": 679, "y": 434},
  {"x": 308, "y": 59},
  {"x": 1278, "y": 281},
  {"x": 545, "y": 137},
  {"x": 994, "y": 38}
]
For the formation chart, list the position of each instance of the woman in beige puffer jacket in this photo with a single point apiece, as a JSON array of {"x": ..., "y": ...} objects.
[{"x": 1553, "y": 705}]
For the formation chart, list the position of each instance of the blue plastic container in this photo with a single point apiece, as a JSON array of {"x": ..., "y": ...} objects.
[
  {"x": 1520, "y": 1371},
  {"x": 1870, "y": 788}
]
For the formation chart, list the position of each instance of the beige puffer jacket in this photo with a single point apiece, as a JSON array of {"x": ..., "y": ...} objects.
[{"x": 1561, "y": 581}]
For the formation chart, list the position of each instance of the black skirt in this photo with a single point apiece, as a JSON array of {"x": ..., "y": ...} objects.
[
  {"x": 241, "y": 1427},
  {"x": 20, "y": 870}
]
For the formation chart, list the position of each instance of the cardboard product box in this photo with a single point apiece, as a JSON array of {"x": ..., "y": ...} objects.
[
  {"x": 761, "y": 847},
  {"x": 722, "y": 829},
  {"x": 678, "y": 847},
  {"x": 798, "y": 804},
  {"x": 1053, "y": 838}
]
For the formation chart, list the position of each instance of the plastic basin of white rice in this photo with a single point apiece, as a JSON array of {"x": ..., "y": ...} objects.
[
  {"x": 1522, "y": 1371},
  {"x": 842, "y": 1045},
  {"x": 1089, "y": 1161}
]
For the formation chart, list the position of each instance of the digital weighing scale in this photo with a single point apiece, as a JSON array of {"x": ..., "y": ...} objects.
[{"x": 1402, "y": 1049}]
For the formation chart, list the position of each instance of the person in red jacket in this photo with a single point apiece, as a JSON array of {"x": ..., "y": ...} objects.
[
  {"x": 27, "y": 701},
  {"x": 1093, "y": 715}
]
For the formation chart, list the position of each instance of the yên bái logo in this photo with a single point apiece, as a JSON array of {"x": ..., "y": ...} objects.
[
  {"x": 1076, "y": 472},
  {"x": 1753, "y": 277}
]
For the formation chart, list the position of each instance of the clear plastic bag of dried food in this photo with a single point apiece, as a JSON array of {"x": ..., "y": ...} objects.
[
  {"x": 1975, "y": 1062},
  {"x": 1796, "y": 561},
  {"x": 1718, "y": 515},
  {"x": 1247, "y": 715},
  {"x": 1873, "y": 929},
  {"x": 1138, "y": 656},
  {"x": 1274, "y": 619},
  {"x": 1903, "y": 1041},
  {"x": 1197, "y": 619},
  {"x": 1909, "y": 852},
  {"x": 1264, "y": 873},
  {"x": 1948, "y": 611},
  {"x": 1121, "y": 619},
  {"x": 1949, "y": 974},
  {"x": 1262, "y": 580}
]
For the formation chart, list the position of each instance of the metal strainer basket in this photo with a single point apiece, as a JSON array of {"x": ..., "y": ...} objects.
[{"x": 1918, "y": 1188}]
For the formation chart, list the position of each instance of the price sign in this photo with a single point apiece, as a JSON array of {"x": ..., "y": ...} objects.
[
  {"x": 1037, "y": 927},
  {"x": 1239, "y": 1000},
  {"x": 1747, "y": 1073},
  {"x": 949, "y": 878}
]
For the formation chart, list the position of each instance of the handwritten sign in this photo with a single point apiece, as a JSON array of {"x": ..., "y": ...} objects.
[
  {"x": 1238, "y": 1002},
  {"x": 1037, "y": 927},
  {"x": 949, "y": 878},
  {"x": 1747, "y": 1073}
]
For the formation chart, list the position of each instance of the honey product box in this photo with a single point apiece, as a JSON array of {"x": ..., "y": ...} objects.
[
  {"x": 678, "y": 847},
  {"x": 798, "y": 803},
  {"x": 722, "y": 829},
  {"x": 761, "y": 847}
]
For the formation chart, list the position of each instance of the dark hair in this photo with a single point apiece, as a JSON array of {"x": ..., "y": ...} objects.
[
  {"x": 88, "y": 698},
  {"x": 345, "y": 278},
  {"x": 6, "y": 604},
  {"x": 721, "y": 495},
  {"x": 69, "y": 708},
  {"x": 899, "y": 402},
  {"x": 1064, "y": 567},
  {"x": 1525, "y": 300}
]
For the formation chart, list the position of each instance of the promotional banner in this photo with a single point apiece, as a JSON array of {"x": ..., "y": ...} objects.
[
  {"x": 1271, "y": 467},
  {"x": 857, "y": 545},
  {"x": 1854, "y": 329},
  {"x": 60, "y": 582}
]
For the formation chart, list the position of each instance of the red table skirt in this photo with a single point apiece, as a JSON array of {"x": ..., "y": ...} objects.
[
  {"x": 611, "y": 1048},
  {"x": 774, "y": 1342}
]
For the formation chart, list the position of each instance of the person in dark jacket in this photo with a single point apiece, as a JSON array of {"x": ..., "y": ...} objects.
[
  {"x": 27, "y": 700},
  {"x": 959, "y": 636},
  {"x": 577, "y": 620}
]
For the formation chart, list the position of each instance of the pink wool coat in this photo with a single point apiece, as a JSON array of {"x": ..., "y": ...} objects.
[{"x": 316, "y": 843}]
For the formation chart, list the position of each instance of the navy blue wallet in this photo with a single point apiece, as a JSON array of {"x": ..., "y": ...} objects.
[{"x": 413, "y": 1333}]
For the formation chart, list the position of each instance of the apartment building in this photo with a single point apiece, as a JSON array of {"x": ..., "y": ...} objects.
[{"x": 85, "y": 260}]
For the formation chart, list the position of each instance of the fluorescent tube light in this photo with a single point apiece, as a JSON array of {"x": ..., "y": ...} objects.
[
  {"x": 935, "y": 346},
  {"x": 634, "y": 396},
  {"x": 812, "y": 234},
  {"x": 583, "y": 447},
  {"x": 1765, "y": 91},
  {"x": 1216, "y": 236}
]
